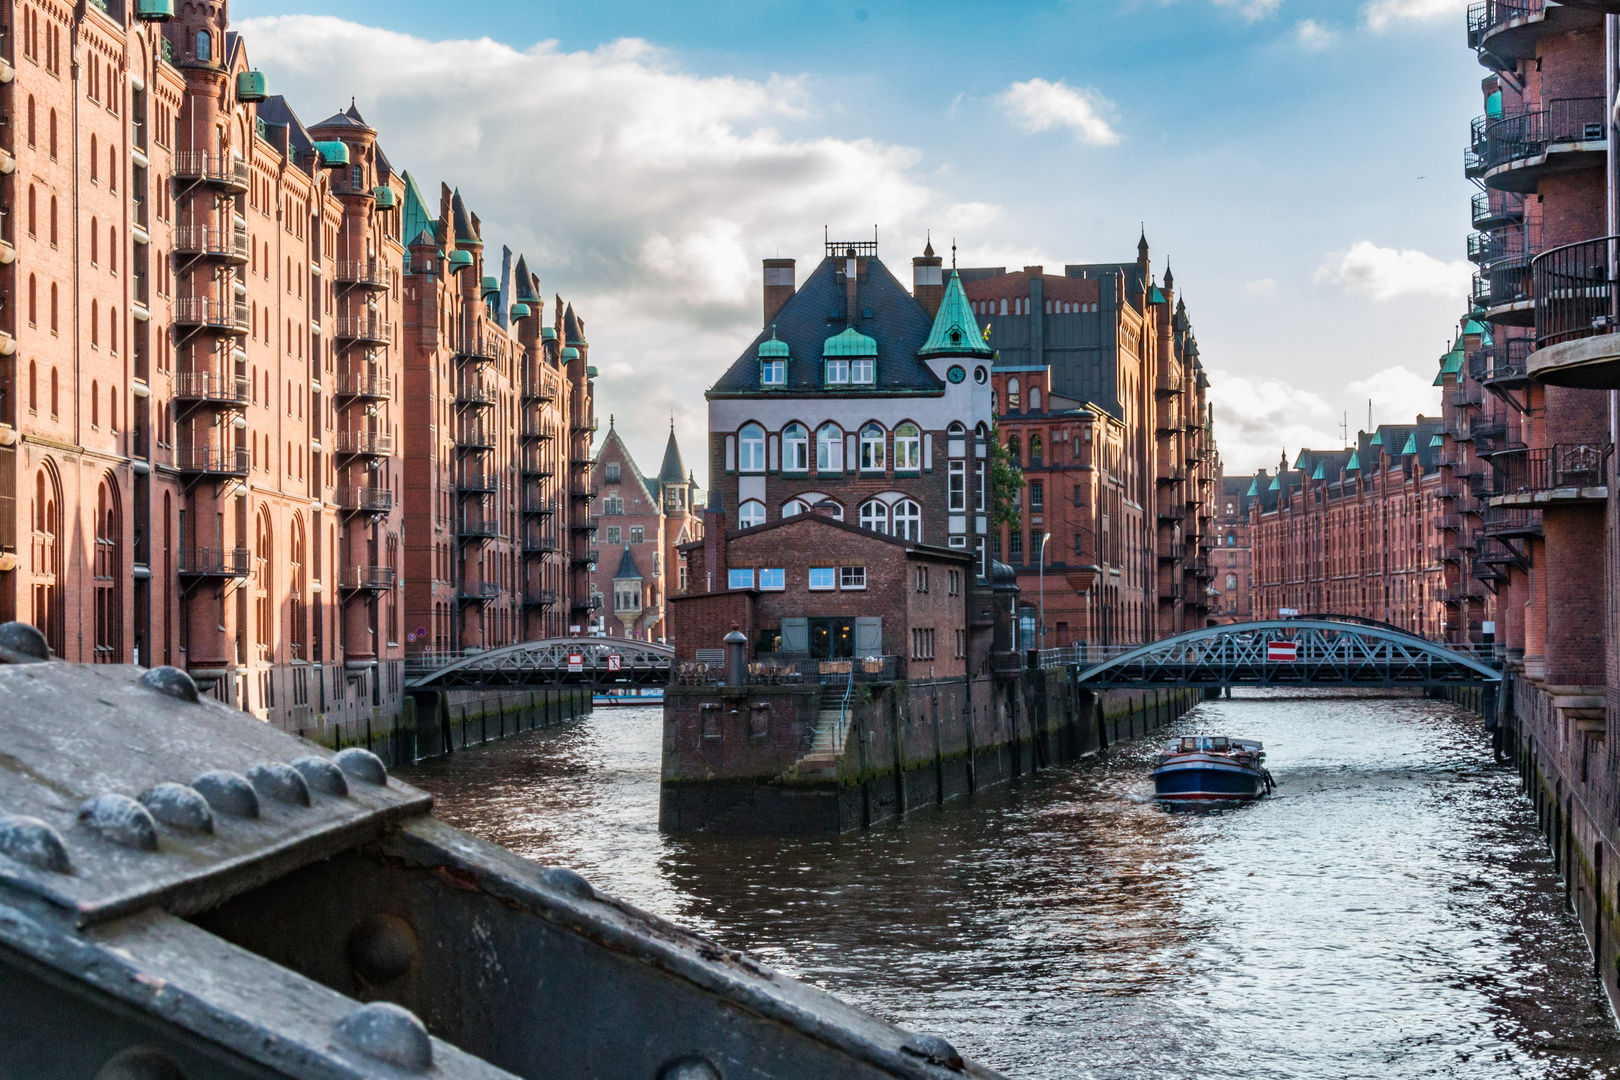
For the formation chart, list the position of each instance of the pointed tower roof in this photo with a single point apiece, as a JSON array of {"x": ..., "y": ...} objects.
[
  {"x": 1142, "y": 244},
  {"x": 928, "y": 248},
  {"x": 673, "y": 470},
  {"x": 416, "y": 219},
  {"x": 1169, "y": 278},
  {"x": 466, "y": 236},
  {"x": 627, "y": 566},
  {"x": 954, "y": 332},
  {"x": 523, "y": 290},
  {"x": 1354, "y": 462},
  {"x": 572, "y": 333},
  {"x": 1411, "y": 444}
]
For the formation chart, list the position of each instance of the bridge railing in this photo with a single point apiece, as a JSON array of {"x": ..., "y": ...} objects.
[
  {"x": 788, "y": 669},
  {"x": 1088, "y": 655}
]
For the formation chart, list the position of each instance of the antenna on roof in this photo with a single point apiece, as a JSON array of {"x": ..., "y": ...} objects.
[{"x": 953, "y": 253}]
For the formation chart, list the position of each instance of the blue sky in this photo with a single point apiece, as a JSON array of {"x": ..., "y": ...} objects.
[{"x": 1297, "y": 163}]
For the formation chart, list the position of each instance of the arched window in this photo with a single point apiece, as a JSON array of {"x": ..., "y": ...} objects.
[
  {"x": 95, "y": 404},
  {"x": 33, "y": 127},
  {"x": 95, "y": 243},
  {"x": 263, "y": 572},
  {"x": 875, "y": 516},
  {"x": 52, "y": 134},
  {"x": 53, "y": 311},
  {"x": 1035, "y": 399},
  {"x": 46, "y": 560},
  {"x": 907, "y": 448},
  {"x": 112, "y": 330},
  {"x": 112, "y": 168},
  {"x": 1015, "y": 450},
  {"x": 1012, "y": 394},
  {"x": 53, "y": 221},
  {"x": 95, "y": 323},
  {"x": 1035, "y": 450},
  {"x": 112, "y": 250},
  {"x": 298, "y": 588},
  {"x": 112, "y": 408},
  {"x": 205, "y": 46},
  {"x": 751, "y": 449},
  {"x": 793, "y": 507},
  {"x": 33, "y": 211},
  {"x": 33, "y": 386},
  {"x": 872, "y": 456},
  {"x": 109, "y": 577},
  {"x": 829, "y": 449},
  {"x": 751, "y": 513},
  {"x": 795, "y": 448},
  {"x": 56, "y": 400},
  {"x": 33, "y": 301},
  {"x": 908, "y": 520},
  {"x": 93, "y": 173}
]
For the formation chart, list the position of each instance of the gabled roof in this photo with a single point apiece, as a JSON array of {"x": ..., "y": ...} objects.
[
  {"x": 899, "y": 325},
  {"x": 627, "y": 566},
  {"x": 673, "y": 470},
  {"x": 954, "y": 332},
  {"x": 650, "y": 488}
]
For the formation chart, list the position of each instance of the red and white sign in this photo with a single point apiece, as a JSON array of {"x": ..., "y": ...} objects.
[
  {"x": 1282, "y": 651},
  {"x": 615, "y": 662},
  {"x": 576, "y": 661}
]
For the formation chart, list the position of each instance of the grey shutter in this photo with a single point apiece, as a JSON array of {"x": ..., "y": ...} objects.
[
  {"x": 869, "y": 636},
  {"x": 795, "y": 635}
]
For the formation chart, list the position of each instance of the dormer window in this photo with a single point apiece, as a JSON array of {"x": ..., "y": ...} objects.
[
  {"x": 837, "y": 372},
  {"x": 863, "y": 371},
  {"x": 773, "y": 362},
  {"x": 850, "y": 358}
]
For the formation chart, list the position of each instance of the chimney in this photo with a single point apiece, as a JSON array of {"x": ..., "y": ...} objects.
[
  {"x": 928, "y": 279},
  {"x": 852, "y": 275},
  {"x": 779, "y": 286}
]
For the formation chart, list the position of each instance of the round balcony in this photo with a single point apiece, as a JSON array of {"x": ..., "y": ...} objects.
[
  {"x": 1494, "y": 209},
  {"x": 1506, "y": 31},
  {"x": 199, "y": 462},
  {"x": 372, "y": 275},
  {"x": 364, "y": 328},
  {"x": 366, "y": 579},
  {"x": 204, "y": 313},
  {"x": 1521, "y": 148},
  {"x": 207, "y": 388},
  {"x": 229, "y": 246},
  {"x": 216, "y": 170},
  {"x": 363, "y": 444},
  {"x": 364, "y": 387},
  {"x": 1577, "y": 315}
]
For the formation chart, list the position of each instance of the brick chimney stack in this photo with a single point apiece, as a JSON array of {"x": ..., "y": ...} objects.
[
  {"x": 928, "y": 279},
  {"x": 779, "y": 286}
]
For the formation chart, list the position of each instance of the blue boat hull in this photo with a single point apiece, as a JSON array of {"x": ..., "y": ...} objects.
[{"x": 1208, "y": 781}]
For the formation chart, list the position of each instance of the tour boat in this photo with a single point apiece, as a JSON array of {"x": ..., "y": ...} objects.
[{"x": 1211, "y": 768}]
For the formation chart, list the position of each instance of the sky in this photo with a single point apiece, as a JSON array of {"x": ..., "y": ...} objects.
[{"x": 1296, "y": 163}]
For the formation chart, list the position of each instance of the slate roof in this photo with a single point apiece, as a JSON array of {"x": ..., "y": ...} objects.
[
  {"x": 275, "y": 110},
  {"x": 573, "y": 331},
  {"x": 466, "y": 236},
  {"x": 673, "y": 470},
  {"x": 815, "y": 313},
  {"x": 349, "y": 118},
  {"x": 627, "y": 566},
  {"x": 650, "y": 487}
]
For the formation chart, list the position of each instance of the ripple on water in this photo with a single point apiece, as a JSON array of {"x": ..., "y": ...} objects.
[{"x": 1390, "y": 913}]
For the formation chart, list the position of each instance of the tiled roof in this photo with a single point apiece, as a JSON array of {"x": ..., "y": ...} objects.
[{"x": 815, "y": 313}]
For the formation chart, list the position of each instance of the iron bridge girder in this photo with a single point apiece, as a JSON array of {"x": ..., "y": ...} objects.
[{"x": 544, "y": 663}]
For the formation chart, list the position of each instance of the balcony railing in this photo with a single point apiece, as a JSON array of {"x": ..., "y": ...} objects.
[
  {"x": 476, "y": 437},
  {"x": 367, "y": 578},
  {"x": 1528, "y": 134},
  {"x": 479, "y": 347},
  {"x": 539, "y": 544},
  {"x": 199, "y": 165},
  {"x": 539, "y": 597},
  {"x": 481, "y": 526},
  {"x": 1547, "y": 468},
  {"x": 534, "y": 469},
  {"x": 210, "y": 240},
  {"x": 1494, "y": 208},
  {"x": 364, "y": 328},
  {"x": 1504, "y": 360},
  {"x": 212, "y": 387},
  {"x": 1511, "y": 245},
  {"x": 211, "y": 461},
  {"x": 1512, "y": 521},
  {"x": 365, "y": 443},
  {"x": 364, "y": 386},
  {"x": 539, "y": 507},
  {"x": 583, "y": 557},
  {"x": 368, "y": 272},
  {"x": 203, "y": 311},
  {"x": 479, "y": 591},
  {"x": 1462, "y": 593},
  {"x": 538, "y": 390},
  {"x": 1447, "y": 522},
  {"x": 214, "y": 562},
  {"x": 536, "y": 431},
  {"x": 1483, "y": 18},
  {"x": 1575, "y": 291},
  {"x": 365, "y": 499},
  {"x": 475, "y": 480},
  {"x": 475, "y": 392}
]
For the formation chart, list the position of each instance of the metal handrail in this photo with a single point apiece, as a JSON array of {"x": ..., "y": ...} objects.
[
  {"x": 1575, "y": 290},
  {"x": 1527, "y": 134},
  {"x": 1546, "y": 468}
]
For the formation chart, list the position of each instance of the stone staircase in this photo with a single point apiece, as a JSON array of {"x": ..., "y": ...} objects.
[{"x": 826, "y": 746}]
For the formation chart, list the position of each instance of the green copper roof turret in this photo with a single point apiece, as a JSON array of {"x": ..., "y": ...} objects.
[
  {"x": 1437, "y": 440},
  {"x": 250, "y": 86},
  {"x": 519, "y": 310},
  {"x": 851, "y": 342},
  {"x": 954, "y": 332},
  {"x": 1411, "y": 444},
  {"x": 774, "y": 348},
  {"x": 1254, "y": 486},
  {"x": 1318, "y": 474},
  {"x": 414, "y": 220},
  {"x": 570, "y": 353},
  {"x": 460, "y": 260},
  {"x": 333, "y": 153},
  {"x": 1354, "y": 464}
]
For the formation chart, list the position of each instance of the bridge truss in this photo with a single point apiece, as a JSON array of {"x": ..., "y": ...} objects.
[
  {"x": 597, "y": 663},
  {"x": 1291, "y": 652}
]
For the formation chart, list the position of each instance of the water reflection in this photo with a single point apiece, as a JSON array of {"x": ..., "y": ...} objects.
[{"x": 1389, "y": 912}]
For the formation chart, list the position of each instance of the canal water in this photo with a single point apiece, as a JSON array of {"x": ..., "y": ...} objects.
[{"x": 1390, "y": 912}]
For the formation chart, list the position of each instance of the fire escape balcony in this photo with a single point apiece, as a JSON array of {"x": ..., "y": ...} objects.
[
  {"x": 538, "y": 390},
  {"x": 202, "y": 461},
  {"x": 1506, "y": 31},
  {"x": 480, "y": 526},
  {"x": 539, "y": 544},
  {"x": 1512, "y": 521},
  {"x": 222, "y": 170},
  {"x": 1565, "y": 472},
  {"x": 361, "y": 499},
  {"x": 366, "y": 579},
  {"x": 364, "y": 386},
  {"x": 1494, "y": 209},
  {"x": 364, "y": 444},
  {"x": 581, "y": 425},
  {"x": 1522, "y": 148},
  {"x": 533, "y": 507},
  {"x": 475, "y": 437},
  {"x": 369, "y": 274},
  {"x": 1168, "y": 382},
  {"x": 582, "y": 557},
  {"x": 533, "y": 468},
  {"x": 478, "y": 592},
  {"x": 477, "y": 349},
  {"x": 1447, "y": 522},
  {"x": 586, "y": 603},
  {"x": 213, "y": 562},
  {"x": 474, "y": 393},
  {"x": 201, "y": 311},
  {"x": 212, "y": 242},
  {"x": 363, "y": 328},
  {"x": 536, "y": 431},
  {"x": 1171, "y": 551},
  {"x": 541, "y": 598},
  {"x": 1577, "y": 312},
  {"x": 1504, "y": 363},
  {"x": 476, "y": 482},
  {"x": 584, "y": 493},
  {"x": 210, "y": 388}
]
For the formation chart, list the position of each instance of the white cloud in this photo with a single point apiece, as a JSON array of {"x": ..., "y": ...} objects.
[
  {"x": 1263, "y": 286},
  {"x": 1251, "y": 9},
  {"x": 645, "y": 194},
  {"x": 1380, "y": 14},
  {"x": 1038, "y": 105},
  {"x": 1255, "y": 418},
  {"x": 1312, "y": 35},
  {"x": 1397, "y": 394},
  {"x": 1386, "y": 273}
]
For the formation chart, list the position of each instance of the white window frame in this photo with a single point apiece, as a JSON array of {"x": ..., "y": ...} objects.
[
  {"x": 829, "y": 449},
  {"x": 908, "y": 448},
  {"x": 905, "y": 519},
  {"x": 957, "y": 487},
  {"x": 837, "y": 373},
  {"x": 852, "y": 578},
  {"x": 739, "y": 578},
  {"x": 822, "y": 579},
  {"x": 772, "y": 579},
  {"x": 874, "y": 516},
  {"x": 795, "y": 448},
  {"x": 773, "y": 373},
  {"x": 863, "y": 371},
  {"x": 751, "y": 450},
  {"x": 873, "y": 448},
  {"x": 750, "y": 513}
]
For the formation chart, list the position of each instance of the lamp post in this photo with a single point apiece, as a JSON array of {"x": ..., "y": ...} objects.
[{"x": 1041, "y": 636}]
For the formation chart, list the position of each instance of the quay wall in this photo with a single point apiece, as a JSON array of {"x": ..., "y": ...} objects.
[
  {"x": 434, "y": 723},
  {"x": 742, "y": 760}
]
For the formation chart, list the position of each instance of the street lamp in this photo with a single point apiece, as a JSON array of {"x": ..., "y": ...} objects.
[{"x": 1044, "y": 538}]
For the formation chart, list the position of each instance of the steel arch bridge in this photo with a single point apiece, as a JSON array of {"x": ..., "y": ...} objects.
[
  {"x": 603, "y": 663},
  {"x": 1324, "y": 652}
]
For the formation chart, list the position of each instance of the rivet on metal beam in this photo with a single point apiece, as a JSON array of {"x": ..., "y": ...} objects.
[
  {"x": 689, "y": 1068},
  {"x": 567, "y": 882},
  {"x": 228, "y": 793},
  {"x": 31, "y": 842},
  {"x": 362, "y": 765},
  {"x": 21, "y": 643},
  {"x": 122, "y": 820},
  {"x": 171, "y": 682},
  {"x": 140, "y": 1063},
  {"x": 273, "y": 780},
  {"x": 386, "y": 1032},
  {"x": 934, "y": 1050},
  {"x": 321, "y": 775},
  {"x": 381, "y": 948},
  {"x": 178, "y": 807}
]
